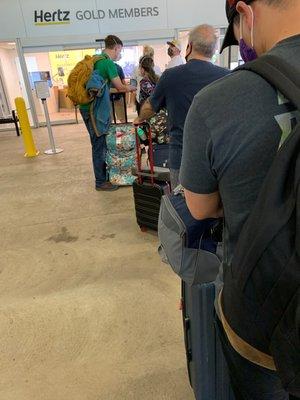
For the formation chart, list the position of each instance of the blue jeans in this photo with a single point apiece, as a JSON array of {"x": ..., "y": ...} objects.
[
  {"x": 99, "y": 150},
  {"x": 174, "y": 178},
  {"x": 250, "y": 381}
]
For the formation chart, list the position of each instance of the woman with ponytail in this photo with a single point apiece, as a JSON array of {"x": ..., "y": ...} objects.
[{"x": 149, "y": 78}]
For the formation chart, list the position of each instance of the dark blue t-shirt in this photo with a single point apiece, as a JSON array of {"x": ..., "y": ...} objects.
[
  {"x": 116, "y": 96},
  {"x": 175, "y": 91}
]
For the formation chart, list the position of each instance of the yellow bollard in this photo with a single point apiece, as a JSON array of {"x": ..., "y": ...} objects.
[{"x": 30, "y": 149}]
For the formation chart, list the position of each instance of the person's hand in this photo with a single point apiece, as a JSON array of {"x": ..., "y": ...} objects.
[
  {"x": 131, "y": 88},
  {"x": 137, "y": 121}
]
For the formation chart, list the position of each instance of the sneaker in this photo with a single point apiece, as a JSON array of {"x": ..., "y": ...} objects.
[{"x": 108, "y": 187}]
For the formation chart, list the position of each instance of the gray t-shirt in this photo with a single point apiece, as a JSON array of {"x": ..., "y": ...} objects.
[{"x": 231, "y": 136}]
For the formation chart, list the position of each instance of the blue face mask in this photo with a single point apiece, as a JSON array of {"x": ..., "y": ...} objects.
[{"x": 247, "y": 53}]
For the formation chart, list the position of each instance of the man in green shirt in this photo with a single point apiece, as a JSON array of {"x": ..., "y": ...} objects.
[{"x": 108, "y": 70}]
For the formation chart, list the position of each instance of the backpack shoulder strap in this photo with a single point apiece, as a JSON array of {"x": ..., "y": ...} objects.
[
  {"x": 98, "y": 58},
  {"x": 279, "y": 74}
]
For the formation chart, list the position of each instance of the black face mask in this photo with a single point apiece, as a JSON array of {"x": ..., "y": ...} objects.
[
  {"x": 170, "y": 52},
  {"x": 187, "y": 56}
]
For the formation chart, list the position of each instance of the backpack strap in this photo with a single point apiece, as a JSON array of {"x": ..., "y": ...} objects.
[
  {"x": 279, "y": 74},
  {"x": 98, "y": 58}
]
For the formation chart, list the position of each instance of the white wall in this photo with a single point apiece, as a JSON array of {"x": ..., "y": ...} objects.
[
  {"x": 188, "y": 13},
  {"x": 11, "y": 76}
]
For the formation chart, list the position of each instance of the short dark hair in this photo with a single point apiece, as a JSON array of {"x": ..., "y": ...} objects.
[
  {"x": 111, "y": 41},
  {"x": 275, "y": 3}
]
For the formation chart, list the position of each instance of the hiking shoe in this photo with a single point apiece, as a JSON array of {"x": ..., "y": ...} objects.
[{"x": 107, "y": 187}]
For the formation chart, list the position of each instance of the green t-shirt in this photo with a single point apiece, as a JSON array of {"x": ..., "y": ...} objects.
[{"x": 107, "y": 69}]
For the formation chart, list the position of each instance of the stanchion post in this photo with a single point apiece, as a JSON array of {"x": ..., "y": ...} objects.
[
  {"x": 30, "y": 149},
  {"x": 42, "y": 92},
  {"x": 53, "y": 149}
]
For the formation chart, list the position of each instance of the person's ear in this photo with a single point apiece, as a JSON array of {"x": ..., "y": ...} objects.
[
  {"x": 245, "y": 13},
  {"x": 188, "y": 49}
]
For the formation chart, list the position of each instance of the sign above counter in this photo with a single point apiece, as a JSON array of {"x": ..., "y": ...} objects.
[{"x": 38, "y": 18}]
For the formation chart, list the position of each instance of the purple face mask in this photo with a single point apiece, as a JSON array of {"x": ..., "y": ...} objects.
[{"x": 247, "y": 53}]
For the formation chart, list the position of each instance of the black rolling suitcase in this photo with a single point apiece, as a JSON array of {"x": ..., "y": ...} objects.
[
  {"x": 148, "y": 189},
  {"x": 207, "y": 367}
]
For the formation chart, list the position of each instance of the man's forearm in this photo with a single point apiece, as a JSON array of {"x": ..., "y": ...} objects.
[
  {"x": 125, "y": 89},
  {"x": 146, "y": 111}
]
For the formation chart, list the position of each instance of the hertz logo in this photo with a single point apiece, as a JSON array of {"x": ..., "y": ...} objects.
[{"x": 59, "y": 17}]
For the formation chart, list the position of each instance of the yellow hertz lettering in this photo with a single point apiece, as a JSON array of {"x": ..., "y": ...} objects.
[{"x": 59, "y": 17}]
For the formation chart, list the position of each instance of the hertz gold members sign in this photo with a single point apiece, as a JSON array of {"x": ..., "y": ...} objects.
[
  {"x": 93, "y": 17},
  {"x": 61, "y": 19},
  {"x": 65, "y": 17}
]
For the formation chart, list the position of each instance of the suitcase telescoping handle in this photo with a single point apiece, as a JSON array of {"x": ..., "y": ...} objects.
[
  {"x": 186, "y": 332},
  {"x": 123, "y": 94},
  {"x": 139, "y": 156}
]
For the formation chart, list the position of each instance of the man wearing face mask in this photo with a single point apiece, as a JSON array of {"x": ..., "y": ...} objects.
[
  {"x": 230, "y": 142},
  {"x": 108, "y": 71},
  {"x": 174, "y": 51},
  {"x": 178, "y": 86}
]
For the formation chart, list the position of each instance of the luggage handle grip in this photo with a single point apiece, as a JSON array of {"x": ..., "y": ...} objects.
[
  {"x": 155, "y": 175},
  {"x": 139, "y": 157},
  {"x": 187, "y": 341},
  {"x": 123, "y": 94}
]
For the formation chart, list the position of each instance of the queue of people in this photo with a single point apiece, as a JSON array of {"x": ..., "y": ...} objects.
[
  {"x": 233, "y": 132},
  {"x": 178, "y": 86},
  {"x": 225, "y": 131},
  {"x": 148, "y": 51},
  {"x": 146, "y": 76}
]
